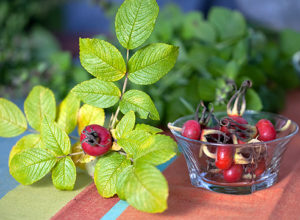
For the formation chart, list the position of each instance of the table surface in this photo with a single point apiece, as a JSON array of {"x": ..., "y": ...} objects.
[{"x": 43, "y": 201}]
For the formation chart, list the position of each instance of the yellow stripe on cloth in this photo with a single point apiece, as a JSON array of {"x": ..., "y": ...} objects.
[{"x": 40, "y": 200}]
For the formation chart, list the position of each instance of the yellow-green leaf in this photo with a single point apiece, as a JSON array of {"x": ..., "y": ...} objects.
[
  {"x": 98, "y": 93},
  {"x": 126, "y": 124},
  {"x": 140, "y": 103},
  {"x": 107, "y": 171},
  {"x": 101, "y": 59},
  {"x": 156, "y": 150},
  {"x": 54, "y": 138},
  {"x": 151, "y": 63},
  {"x": 135, "y": 21},
  {"x": 122, "y": 182},
  {"x": 146, "y": 188},
  {"x": 40, "y": 102},
  {"x": 148, "y": 128},
  {"x": 90, "y": 115},
  {"x": 26, "y": 142},
  {"x": 31, "y": 165},
  {"x": 64, "y": 174},
  {"x": 132, "y": 141},
  {"x": 67, "y": 115},
  {"x": 12, "y": 119}
]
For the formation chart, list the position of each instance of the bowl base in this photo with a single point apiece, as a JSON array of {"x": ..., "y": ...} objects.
[{"x": 267, "y": 182}]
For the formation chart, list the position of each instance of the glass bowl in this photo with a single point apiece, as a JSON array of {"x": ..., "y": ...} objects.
[{"x": 259, "y": 161}]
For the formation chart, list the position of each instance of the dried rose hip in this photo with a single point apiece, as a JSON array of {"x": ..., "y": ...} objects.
[{"x": 95, "y": 140}]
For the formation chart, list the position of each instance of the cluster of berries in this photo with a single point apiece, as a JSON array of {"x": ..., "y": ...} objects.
[{"x": 233, "y": 162}]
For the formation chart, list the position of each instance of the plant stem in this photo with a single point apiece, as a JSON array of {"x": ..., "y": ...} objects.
[
  {"x": 72, "y": 154},
  {"x": 123, "y": 91},
  {"x": 124, "y": 153},
  {"x": 32, "y": 130},
  {"x": 74, "y": 138}
]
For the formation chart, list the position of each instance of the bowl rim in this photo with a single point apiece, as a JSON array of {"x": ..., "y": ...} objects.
[{"x": 287, "y": 137}]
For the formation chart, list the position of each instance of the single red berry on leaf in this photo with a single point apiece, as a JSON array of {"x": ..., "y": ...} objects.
[
  {"x": 224, "y": 157},
  {"x": 266, "y": 130},
  {"x": 95, "y": 140},
  {"x": 191, "y": 129},
  {"x": 233, "y": 174}
]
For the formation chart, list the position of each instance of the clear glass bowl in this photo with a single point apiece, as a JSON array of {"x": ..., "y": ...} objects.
[{"x": 201, "y": 163}]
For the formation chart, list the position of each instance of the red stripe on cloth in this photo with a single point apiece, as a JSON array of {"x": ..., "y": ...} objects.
[{"x": 87, "y": 205}]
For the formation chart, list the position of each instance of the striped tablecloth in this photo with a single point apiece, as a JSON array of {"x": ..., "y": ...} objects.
[{"x": 43, "y": 201}]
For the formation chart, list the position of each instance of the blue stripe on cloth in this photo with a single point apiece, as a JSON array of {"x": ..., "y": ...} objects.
[
  {"x": 7, "y": 182},
  {"x": 120, "y": 206}
]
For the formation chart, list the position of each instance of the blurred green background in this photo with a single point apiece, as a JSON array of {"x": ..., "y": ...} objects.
[{"x": 39, "y": 45}]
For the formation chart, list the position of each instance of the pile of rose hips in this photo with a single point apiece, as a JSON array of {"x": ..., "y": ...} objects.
[{"x": 233, "y": 163}]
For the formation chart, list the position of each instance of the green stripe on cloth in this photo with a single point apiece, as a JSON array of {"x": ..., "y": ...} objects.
[{"x": 40, "y": 200}]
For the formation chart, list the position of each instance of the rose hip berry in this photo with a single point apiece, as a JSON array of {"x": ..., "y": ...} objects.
[
  {"x": 95, "y": 140},
  {"x": 233, "y": 174},
  {"x": 224, "y": 157},
  {"x": 266, "y": 130},
  {"x": 191, "y": 129},
  {"x": 261, "y": 166}
]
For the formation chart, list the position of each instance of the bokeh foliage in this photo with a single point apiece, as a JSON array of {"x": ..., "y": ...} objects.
[
  {"x": 219, "y": 49},
  {"x": 29, "y": 52}
]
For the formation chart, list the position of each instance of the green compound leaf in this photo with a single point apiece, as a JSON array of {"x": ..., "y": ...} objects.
[
  {"x": 54, "y": 138},
  {"x": 67, "y": 115},
  {"x": 64, "y": 174},
  {"x": 26, "y": 142},
  {"x": 90, "y": 115},
  {"x": 135, "y": 21},
  {"x": 125, "y": 125},
  {"x": 98, "y": 93},
  {"x": 12, "y": 119},
  {"x": 139, "y": 102},
  {"x": 107, "y": 171},
  {"x": 122, "y": 180},
  {"x": 219, "y": 17},
  {"x": 101, "y": 59},
  {"x": 147, "y": 128},
  {"x": 151, "y": 63},
  {"x": 40, "y": 102},
  {"x": 156, "y": 150},
  {"x": 31, "y": 165},
  {"x": 133, "y": 140},
  {"x": 253, "y": 100},
  {"x": 146, "y": 188}
]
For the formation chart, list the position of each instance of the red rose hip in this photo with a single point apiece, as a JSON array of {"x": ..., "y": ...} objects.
[
  {"x": 191, "y": 129},
  {"x": 266, "y": 130},
  {"x": 233, "y": 174},
  {"x": 224, "y": 157},
  {"x": 261, "y": 166},
  {"x": 95, "y": 140}
]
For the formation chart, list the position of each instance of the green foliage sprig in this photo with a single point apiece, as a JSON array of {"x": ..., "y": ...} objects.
[
  {"x": 29, "y": 53},
  {"x": 129, "y": 168}
]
